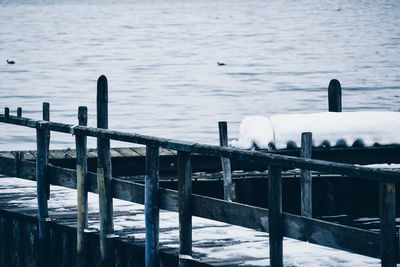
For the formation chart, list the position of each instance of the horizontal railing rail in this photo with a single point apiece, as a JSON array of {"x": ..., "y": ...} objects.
[{"x": 283, "y": 161}]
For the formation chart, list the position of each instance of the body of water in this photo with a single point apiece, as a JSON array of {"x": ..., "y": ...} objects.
[{"x": 160, "y": 58}]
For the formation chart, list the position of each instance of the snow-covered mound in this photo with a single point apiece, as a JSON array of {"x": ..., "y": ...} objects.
[{"x": 328, "y": 129}]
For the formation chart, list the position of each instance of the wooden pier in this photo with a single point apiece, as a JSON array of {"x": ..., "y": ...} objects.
[{"x": 182, "y": 202}]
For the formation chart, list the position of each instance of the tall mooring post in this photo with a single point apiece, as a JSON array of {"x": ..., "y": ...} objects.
[{"x": 104, "y": 175}]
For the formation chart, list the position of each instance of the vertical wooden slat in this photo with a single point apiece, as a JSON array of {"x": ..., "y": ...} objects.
[
  {"x": 305, "y": 178},
  {"x": 275, "y": 216},
  {"x": 335, "y": 96},
  {"x": 226, "y": 163},
  {"x": 388, "y": 224},
  {"x": 104, "y": 174},
  {"x": 81, "y": 171},
  {"x": 152, "y": 206},
  {"x": 41, "y": 165},
  {"x": 46, "y": 117},
  {"x": 19, "y": 112},
  {"x": 185, "y": 207}
]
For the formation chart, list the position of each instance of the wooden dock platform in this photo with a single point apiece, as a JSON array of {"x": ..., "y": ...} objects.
[{"x": 214, "y": 243}]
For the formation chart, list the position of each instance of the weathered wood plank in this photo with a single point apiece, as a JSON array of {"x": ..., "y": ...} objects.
[
  {"x": 152, "y": 213},
  {"x": 185, "y": 207}
]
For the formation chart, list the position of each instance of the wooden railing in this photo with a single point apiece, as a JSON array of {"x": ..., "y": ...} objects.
[{"x": 272, "y": 220}]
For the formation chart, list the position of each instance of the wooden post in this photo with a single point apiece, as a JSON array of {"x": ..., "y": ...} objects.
[
  {"x": 82, "y": 187},
  {"x": 46, "y": 117},
  {"x": 18, "y": 157},
  {"x": 6, "y": 114},
  {"x": 19, "y": 112},
  {"x": 305, "y": 178},
  {"x": 151, "y": 203},
  {"x": 185, "y": 207},
  {"x": 275, "y": 216},
  {"x": 388, "y": 224},
  {"x": 41, "y": 165},
  {"x": 335, "y": 96},
  {"x": 229, "y": 193},
  {"x": 104, "y": 175}
]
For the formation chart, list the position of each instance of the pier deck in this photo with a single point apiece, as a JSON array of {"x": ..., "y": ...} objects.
[{"x": 214, "y": 243}]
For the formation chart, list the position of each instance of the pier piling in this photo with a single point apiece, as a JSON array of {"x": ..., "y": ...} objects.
[{"x": 104, "y": 174}]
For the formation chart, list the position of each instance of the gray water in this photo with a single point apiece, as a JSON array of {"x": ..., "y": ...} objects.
[{"x": 161, "y": 57}]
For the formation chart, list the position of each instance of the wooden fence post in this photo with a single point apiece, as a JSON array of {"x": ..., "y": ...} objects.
[
  {"x": 305, "y": 178},
  {"x": 81, "y": 172},
  {"x": 335, "y": 96},
  {"x": 46, "y": 117},
  {"x": 185, "y": 207},
  {"x": 229, "y": 193},
  {"x": 104, "y": 175},
  {"x": 41, "y": 185},
  {"x": 19, "y": 112},
  {"x": 388, "y": 224},
  {"x": 275, "y": 216},
  {"x": 152, "y": 211}
]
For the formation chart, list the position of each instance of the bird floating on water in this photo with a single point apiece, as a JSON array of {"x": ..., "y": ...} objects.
[
  {"x": 10, "y": 62},
  {"x": 221, "y": 63}
]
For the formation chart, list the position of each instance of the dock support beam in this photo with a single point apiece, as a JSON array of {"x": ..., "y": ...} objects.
[
  {"x": 41, "y": 185},
  {"x": 151, "y": 202},
  {"x": 305, "y": 178},
  {"x": 229, "y": 193},
  {"x": 104, "y": 175},
  {"x": 388, "y": 224},
  {"x": 81, "y": 172},
  {"x": 185, "y": 207},
  {"x": 275, "y": 216}
]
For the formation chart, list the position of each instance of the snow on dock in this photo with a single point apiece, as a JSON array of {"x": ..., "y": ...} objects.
[
  {"x": 328, "y": 128},
  {"x": 214, "y": 242}
]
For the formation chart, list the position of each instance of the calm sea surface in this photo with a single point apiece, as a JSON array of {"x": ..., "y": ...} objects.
[{"x": 160, "y": 58}]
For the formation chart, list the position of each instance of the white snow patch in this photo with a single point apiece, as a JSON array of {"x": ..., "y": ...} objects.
[{"x": 370, "y": 126}]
